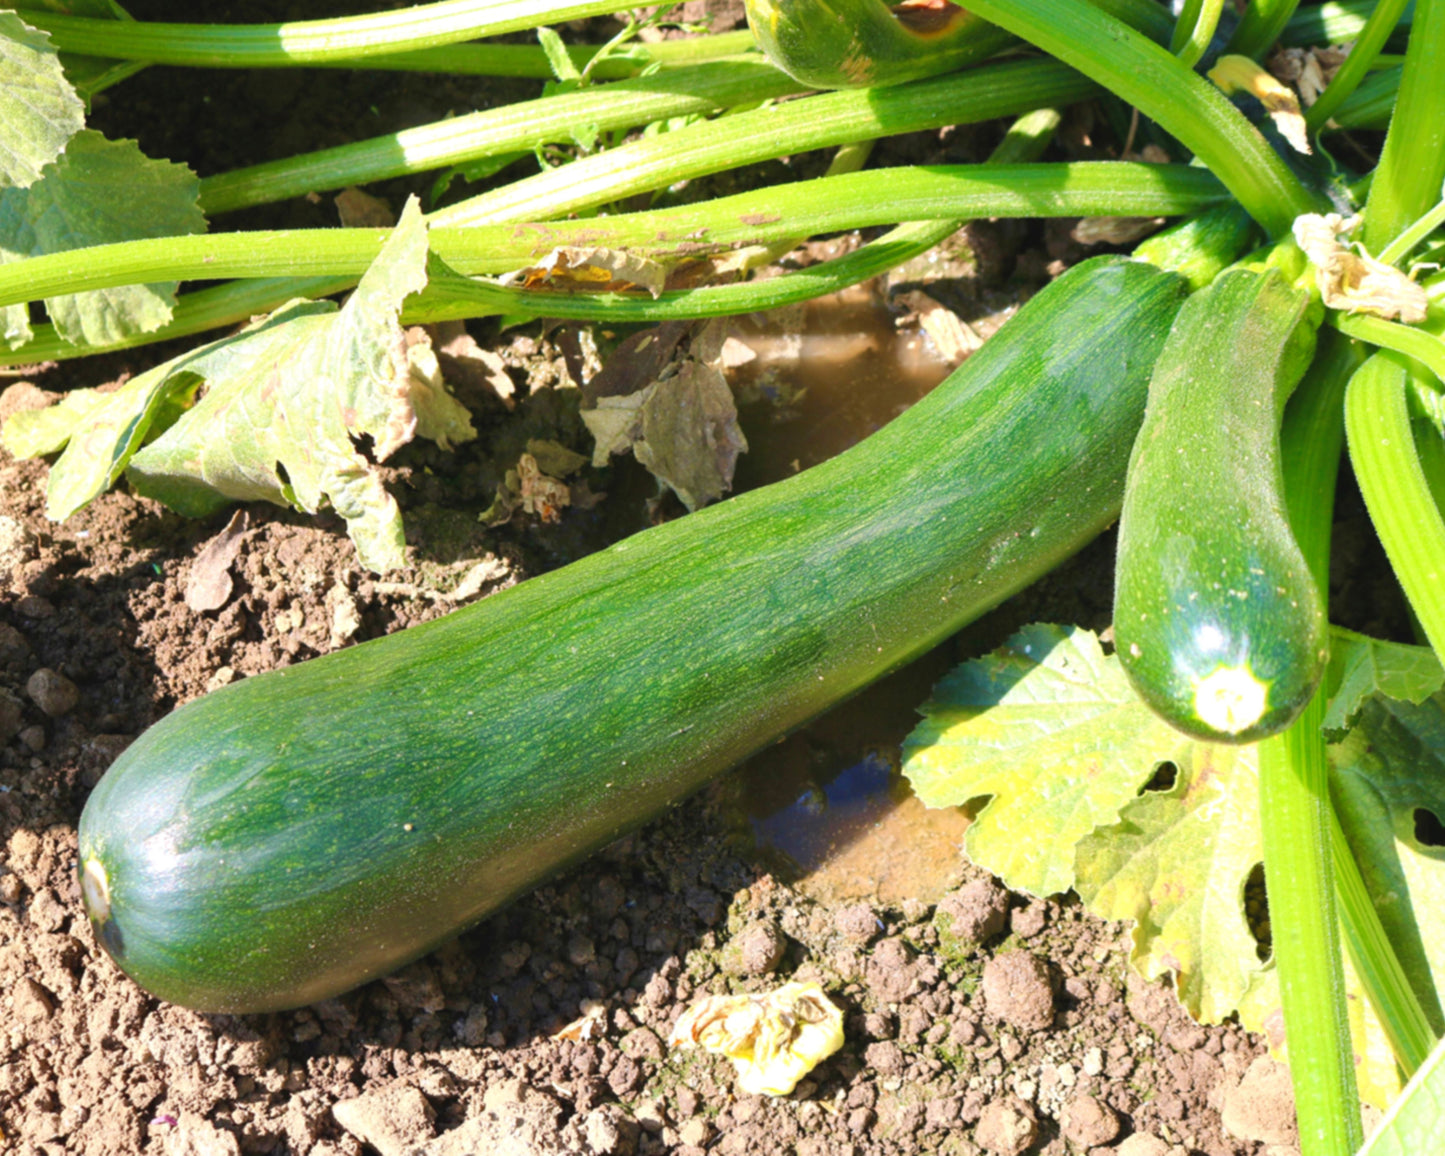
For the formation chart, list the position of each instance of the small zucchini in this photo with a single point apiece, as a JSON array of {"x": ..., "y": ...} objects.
[
  {"x": 293, "y": 835},
  {"x": 1217, "y": 620},
  {"x": 862, "y": 43}
]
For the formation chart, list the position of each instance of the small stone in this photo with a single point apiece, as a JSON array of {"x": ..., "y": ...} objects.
[
  {"x": 31, "y": 1002},
  {"x": 1088, "y": 1122},
  {"x": 35, "y": 608},
  {"x": 46, "y": 912},
  {"x": 858, "y": 923},
  {"x": 1016, "y": 989},
  {"x": 34, "y": 738},
  {"x": 11, "y": 889},
  {"x": 1007, "y": 1127},
  {"x": 756, "y": 950},
  {"x": 970, "y": 916},
  {"x": 581, "y": 950},
  {"x": 1093, "y": 1062},
  {"x": 1261, "y": 1106},
  {"x": 392, "y": 1120},
  {"x": 52, "y": 692},
  {"x": 17, "y": 546},
  {"x": 697, "y": 1132}
]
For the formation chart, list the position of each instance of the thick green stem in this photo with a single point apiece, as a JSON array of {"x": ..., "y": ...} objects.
[
  {"x": 1260, "y": 26},
  {"x": 309, "y": 41},
  {"x": 1386, "y": 985},
  {"x": 530, "y": 60},
  {"x": 1357, "y": 65},
  {"x": 519, "y": 127},
  {"x": 1196, "y": 28},
  {"x": 1312, "y": 442},
  {"x": 1396, "y": 493},
  {"x": 1370, "y": 105},
  {"x": 1184, "y": 103},
  {"x": 1409, "y": 340},
  {"x": 827, "y": 204},
  {"x": 1294, "y": 806},
  {"x": 823, "y": 121},
  {"x": 1408, "y": 179}
]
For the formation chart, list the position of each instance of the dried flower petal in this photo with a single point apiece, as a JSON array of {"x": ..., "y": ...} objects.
[
  {"x": 1241, "y": 74},
  {"x": 773, "y": 1040},
  {"x": 1350, "y": 279}
]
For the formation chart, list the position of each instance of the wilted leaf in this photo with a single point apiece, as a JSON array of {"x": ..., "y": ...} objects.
[
  {"x": 1176, "y": 864},
  {"x": 1355, "y": 281},
  {"x": 1361, "y": 666},
  {"x": 595, "y": 270},
  {"x": 1049, "y": 728},
  {"x": 210, "y": 584},
  {"x": 439, "y": 416},
  {"x": 100, "y": 192},
  {"x": 39, "y": 110},
  {"x": 280, "y": 428}
]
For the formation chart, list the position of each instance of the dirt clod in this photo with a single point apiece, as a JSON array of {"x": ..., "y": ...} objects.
[
  {"x": 757, "y": 950},
  {"x": 1261, "y": 1106},
  {"x": 972, "y": 915},
  {"x": 1018, "y": 990},
  {"x": 1089, "y": 1122},
  {"x": 392, "y": 1120},
  {"x": 1008, "y": 1127}
]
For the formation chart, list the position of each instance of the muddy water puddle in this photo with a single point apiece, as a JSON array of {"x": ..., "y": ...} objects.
[{"x": 827, "y": 807}]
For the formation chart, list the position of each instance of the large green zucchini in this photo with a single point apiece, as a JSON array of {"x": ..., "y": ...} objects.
[{"x": 288, "y": 837}]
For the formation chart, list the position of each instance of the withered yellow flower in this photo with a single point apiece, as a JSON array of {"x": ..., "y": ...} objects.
[{"x": 773, "y": 1039}]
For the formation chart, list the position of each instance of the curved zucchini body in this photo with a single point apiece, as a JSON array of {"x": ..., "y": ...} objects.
[
  {"x": 293, "y": 835},
  {"x": 1217, "y": 619},
  {"x": 860, "y": 43}
]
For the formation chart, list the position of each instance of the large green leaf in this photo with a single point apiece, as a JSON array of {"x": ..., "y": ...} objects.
[
  {"x": 1049, "y": 728},
  {"x": 101, "y": 191},
  {"x": 39, "y": 110}
]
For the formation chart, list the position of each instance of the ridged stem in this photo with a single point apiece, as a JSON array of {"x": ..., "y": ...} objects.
[
  {"x": 309, "y": 41},
  {"x": 1294, "y": 806},
  {"x": 1393, "y": 484},
  {"x": 1371, "y": 41},
  {"x": 1260, "y": 26},
  {"x": 1139, "y": 71},
  {"x": 826, "y": 204},
  {"x": 519, "y": 127},
  {"x": 1195, "y": 29},
  {"x": 1408, "y": 179}
]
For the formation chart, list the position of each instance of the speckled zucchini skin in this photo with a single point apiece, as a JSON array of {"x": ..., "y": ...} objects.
[
  {"x": 1216, "y": 617},
  {"x": 293, "y": 835}
]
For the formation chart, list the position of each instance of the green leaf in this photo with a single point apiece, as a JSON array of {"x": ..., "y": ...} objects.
[
  {"x": 98, "y": 192},
  {"x": 1414, "y": 1122},
  {"x": 1176, "y": 864},
  {"x": 1361, "y": 666},
  {"x": 281, "y": 426},
  {"x": 39, "y": 110},
  {"x": 1388, "y": 787},
  {"x": 1050, "y": 729},
  {"x": 89, "y": 74}
]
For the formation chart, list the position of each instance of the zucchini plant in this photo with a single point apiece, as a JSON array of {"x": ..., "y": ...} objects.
[{"x": 239, "y": 858}]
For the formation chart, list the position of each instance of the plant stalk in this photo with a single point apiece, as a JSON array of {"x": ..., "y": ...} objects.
[{"x": 1184, "y": 103}]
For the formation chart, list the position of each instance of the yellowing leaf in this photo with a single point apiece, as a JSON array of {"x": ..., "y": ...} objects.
[
  {"x": 1176, "y": 864},
  {"x": 1050, "y": 729},
  {"x": 593, "y": 270},
  {"x": 39, "y": 110}
]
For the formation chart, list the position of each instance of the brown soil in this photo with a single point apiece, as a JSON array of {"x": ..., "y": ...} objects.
[{"x": 984, "y": 1022}]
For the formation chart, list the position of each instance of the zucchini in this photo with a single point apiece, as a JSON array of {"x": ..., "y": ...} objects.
[
  {"x": 1217, "y": 619},
  {"x": 288, "y": 837},
  {"x": 862, "y": 43}
]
